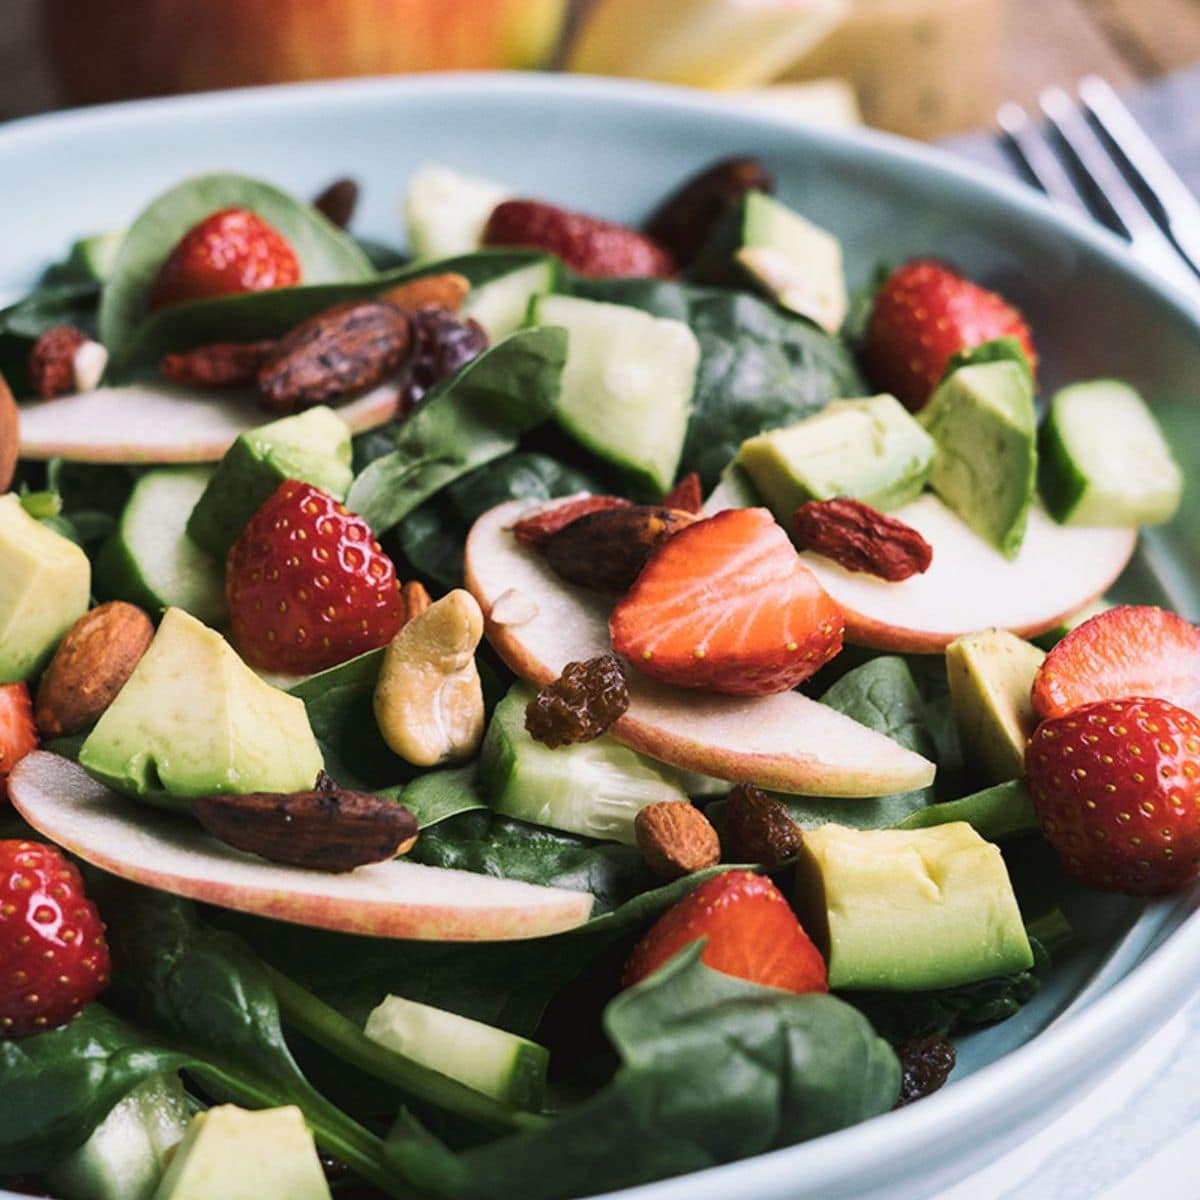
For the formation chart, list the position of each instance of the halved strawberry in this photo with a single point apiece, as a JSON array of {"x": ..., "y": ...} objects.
[
  {"x": 750, "y": 930},
  {"x": 18, "y": 733},
  {"x": 1131, "y": 650},
  {"x": 727, "y": 605}
]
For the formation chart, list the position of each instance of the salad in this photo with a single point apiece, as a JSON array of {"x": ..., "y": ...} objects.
[{"x": 557, "y": 708}]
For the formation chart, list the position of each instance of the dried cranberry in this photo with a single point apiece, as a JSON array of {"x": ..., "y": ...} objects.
[
  {"x": 925, "y": 1064},
  {"x": 441, "y": 343},
  {"x": 580, "y": 704}
]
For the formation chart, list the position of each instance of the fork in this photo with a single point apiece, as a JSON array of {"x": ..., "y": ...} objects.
[{"x": 1097, "y": 141}]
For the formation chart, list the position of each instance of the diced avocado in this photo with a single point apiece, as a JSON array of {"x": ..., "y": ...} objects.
[
  {"x": 45, "y": 586},
  {"x": 994, "y": 813},
  {"x": 909, "y": 909},
  {"x": 991, "y": 676},
  {"x": 126, "y": 1155},
  {"x": 627, "y": 386},
  {"x": 499, "y": 1064},
  {"x": 593, "y": 788},
  {"x": 447, "y": 211},
  {"x": 150, "y": 559},
  {"x": 871, "y": 450},
  {"x": 93, "y": 258},
  {"x": 985, "y": 469},
  {"x": 239, "y": 1155},
  {"x": 1104, "y": 460},
  {"x": 1048, "y": 640},
  {"x": 502, "y": 304},
  {"x": 313, "y": 446},
  {"x": 194, "y": 720}
]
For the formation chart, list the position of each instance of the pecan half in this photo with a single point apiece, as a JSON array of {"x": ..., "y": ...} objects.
[
  {"x": 338, "y": 202},
  {"x": 759, "y": 828},
  {"x": 51, "y": 363},
  {"x": 606, "y": 550},
  {"x": 327, "y": 829},
  {"x": 335, "y": 354},
  {"x": 10, "y": 436},
  {"x": 221, "y": 364},
  {"x": 676, "y": 839},
  {"x": 535, "y": 530},
  {"x": 861, "y": 538},
  {"x": 447, "y": 291},
  {"x": 685, "y": 495}
]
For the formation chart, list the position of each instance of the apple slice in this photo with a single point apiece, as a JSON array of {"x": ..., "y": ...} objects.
[
  {"x": 786, "y": 742},
  {"x": 163, "y": 423},
  {"x": 972, "y": 586},
  {"x": 395, "y": 899}
]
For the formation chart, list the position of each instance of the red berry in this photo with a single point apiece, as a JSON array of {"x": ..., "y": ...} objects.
[
  {"x": 598, "y": 249},
  {"x": 308, "y": 585},
  {"x": 232, "y": 250},
  {"x": 750, "y": 930},
  {"x": 924, "y": 313},
  {"x": 18, "y": 733},
  {"x": 1116, "y": 788},
  {"x": 53, "y": 956}
]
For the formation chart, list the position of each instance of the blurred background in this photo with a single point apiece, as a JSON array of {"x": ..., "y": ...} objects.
[{"x": 926, "y": 68}]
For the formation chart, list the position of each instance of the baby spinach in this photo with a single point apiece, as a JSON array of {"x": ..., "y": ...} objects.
[
  {"x": 437, "y": 796},
  {"x": 473, "y": 417},
  {"x": 994, "y": 812}
]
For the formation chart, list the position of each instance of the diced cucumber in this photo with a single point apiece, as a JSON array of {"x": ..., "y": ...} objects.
[
  {"x": 502, "y": 304},
  {"x": 499, "y": 1064},
  {"x": 594, "y": 788},
  {"x": 627, "y": 386},
  {"x": 1105, "y": 460},
  {"x": 447, "y": 211},
  {"x": 151, "y": 561}
]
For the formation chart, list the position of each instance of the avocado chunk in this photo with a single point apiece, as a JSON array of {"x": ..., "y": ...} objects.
[
  {"x": 194, "y": 720},
  {"x": 502, "y": 304},
  {"x": 909, "y": 909},
  {"x": 991, "y": 676},
  {"x": 313, "y": 447},
  {"x": 45, "y": 585},
  {"x": 447, "y": 211},
  {"x": 240, "y": 1155},
  {"x": 871, "y": 450},
  {"x": 1104, "y": 459}
]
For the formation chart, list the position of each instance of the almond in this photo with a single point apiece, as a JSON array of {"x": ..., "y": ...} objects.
[
  {"x": 90, "y": 667},
  {"x": 758, "y": 828},
  {"x": 446, "y": 291},
  {"x": 676, "y": 839},
  {"x": 10, "y": 436}
]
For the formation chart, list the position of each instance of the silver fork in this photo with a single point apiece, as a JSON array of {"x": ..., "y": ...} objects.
[{"x": 1106, "y": 163}]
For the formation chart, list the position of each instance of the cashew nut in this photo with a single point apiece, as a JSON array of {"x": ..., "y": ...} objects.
[{"x": 428, "y": 700}]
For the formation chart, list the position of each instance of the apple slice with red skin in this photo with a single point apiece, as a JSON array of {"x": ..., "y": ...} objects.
[
  {"x": 394, "y": 899},
  {"x": 786, "y": 741},
  {"x": 164, "y": 423},
  {"x": 971, "y": 586}
]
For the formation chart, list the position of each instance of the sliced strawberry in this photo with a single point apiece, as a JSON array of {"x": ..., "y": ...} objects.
[
  {"x": 1131, "y": 650},
  {"x": 542, "y": 526},
  {"x": 924, "y": 313},
  {"x": 18, "y": 733},
  {"x": 750, "y": 930},
  {"x": 685, "y": 495},
  {"x": 727, "y": 605}
]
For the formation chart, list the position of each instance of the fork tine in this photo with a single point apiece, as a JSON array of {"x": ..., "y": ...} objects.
[{"x": 1029, "y": 146}]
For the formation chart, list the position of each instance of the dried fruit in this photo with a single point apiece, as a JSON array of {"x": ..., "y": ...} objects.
[
  {"x": 685, "y": 221},
  {"x": 606, "y": 550},
  {"x": 221, "y": 364},
  {"x": 334, "y": 354},
  {"x": 925, "y": 1065},
  {"x": 10, "y": 436},
  {"x": 416, "y": 599},
  {"x": 861, "y": 538},
  {"x": 686, "y": 495},
  {"x": 441, "y": 343},
  {"x": 338, "y": 202},
  {"x": 51, "y": 364},
  {"x": 536, "y": 530},
  {"x": 90, "y": 666},
  {"x": 581, "y": 704},
  {"x": 326, "y": 829},
  {"x": 759, "y": 828},
  {"x": 676, "y": 839},
  {"x": 446, "y": 291},
  {"x": 18, "y": 733}
]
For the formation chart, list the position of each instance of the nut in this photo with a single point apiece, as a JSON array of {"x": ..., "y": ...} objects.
[
  {"x": 90, "y": 666},
  {"x": 221, "y": 364},
  {"x": 759, "y": 828},
  {"x": 686, "y": 495},
  {"x": 429, "y": 699},
  {"x": 89, "y": 365},
  {"x": 51, "y": 363},
  {"x": 513, "y": 608},
  {"x": 10, "y": 436},
  {"x": 547, "y": 519},
  {"x": 416, "y": 599},
  {"x": 338, "y": 202},
  {"x": 676, "y": 839},
  {"x": 327, "y": 829},
  {"x": 447, "y": 291},
  {"x": 861, "y": 538}
]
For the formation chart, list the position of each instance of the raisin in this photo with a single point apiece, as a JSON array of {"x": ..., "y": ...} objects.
[
  {"x": 580, "y": 704},
  {"x": 441, "y": 343},
  {"x": 925, "y": 1065},
  {"x": 52, "y": 361},
  {"x": 759, "y": 828}
]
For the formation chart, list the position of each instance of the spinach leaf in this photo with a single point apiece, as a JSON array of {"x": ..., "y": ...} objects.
[
  {"x": 471, "y": 418},
  {"x": 437, "y": 796},
  {"x": 995, "y": 812}
]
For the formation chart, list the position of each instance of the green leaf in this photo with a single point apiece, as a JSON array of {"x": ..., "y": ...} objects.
[
  {"x": 473, "y": 417},
  {"x": 995, "y": 812}
]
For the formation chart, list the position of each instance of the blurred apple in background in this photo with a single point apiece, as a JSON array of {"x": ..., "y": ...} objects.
[{"x": 111, "y": 49}]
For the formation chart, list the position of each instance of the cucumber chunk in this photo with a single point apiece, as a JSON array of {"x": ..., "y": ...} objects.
[
  {"x": 150, "y": 560},
  {"x": 1105, "y": 460},
  {"x": 595, "y": 788},
  {"x": 502, "y": 304},
  {"x": 499, "y": 1064},
  {"x": 627, "y": 386},
  {"x": 447, "y": 211}
]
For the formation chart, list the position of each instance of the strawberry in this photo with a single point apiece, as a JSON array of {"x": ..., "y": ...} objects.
[
  {"x": 1116, "y": 788},
  {"x": 18, "y": 733},
  {"x": 924, "y": 313},
  {"x": 1132, "y": 650},
  {"x": 232, "y": 250},
  {"x": 51, "y": 940},
  {"x": 686, "y": 495},
  {"x": 307, "y": 584},
  {"x": 727, "y": 605},
  {"x": 750, "y": 930},
  {"x": 598, "y": 249}
]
